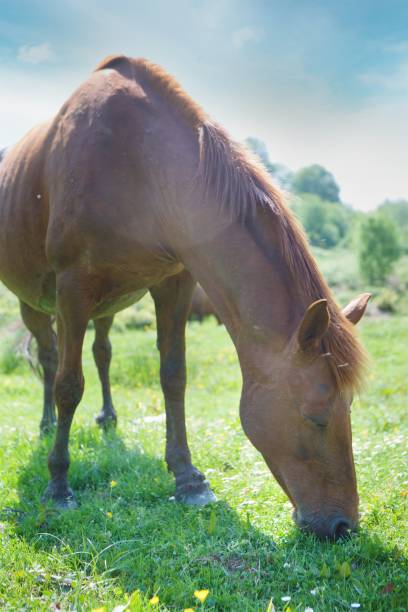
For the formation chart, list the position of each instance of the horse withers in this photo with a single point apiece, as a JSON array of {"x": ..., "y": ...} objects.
[{"x": 132, "y": 188}]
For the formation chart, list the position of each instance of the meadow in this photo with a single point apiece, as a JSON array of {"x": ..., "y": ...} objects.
[{"x": 129, "y": 546}]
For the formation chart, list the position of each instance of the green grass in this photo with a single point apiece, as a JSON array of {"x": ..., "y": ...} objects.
[{"x": 245, "y": 549}]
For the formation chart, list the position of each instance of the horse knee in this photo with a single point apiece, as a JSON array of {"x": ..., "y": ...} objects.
[{"x": 69, "y": 388}]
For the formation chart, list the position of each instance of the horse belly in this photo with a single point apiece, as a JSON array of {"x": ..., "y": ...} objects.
[{"x": 111, "y": 306}]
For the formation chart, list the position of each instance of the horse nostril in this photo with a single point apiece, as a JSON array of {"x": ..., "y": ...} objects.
[{"x": 341, "y": 528}]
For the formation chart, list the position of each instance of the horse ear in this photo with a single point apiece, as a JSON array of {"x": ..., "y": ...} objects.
[
  {"x": 314, "y": 325},
  {"x": 355, "y": 310}
]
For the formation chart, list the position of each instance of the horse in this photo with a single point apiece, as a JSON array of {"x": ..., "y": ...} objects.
[
  {"x": 201, "y": 306},
  {"x": 40, "y": 327},
  {"x": 131, "y": 188}
]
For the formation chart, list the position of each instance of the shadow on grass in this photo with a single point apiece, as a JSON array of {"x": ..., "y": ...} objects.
[
  {"x": 127, "y": 529},
  {"x": 132, "y": 530}
]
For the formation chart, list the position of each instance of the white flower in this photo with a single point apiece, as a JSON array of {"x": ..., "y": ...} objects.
[
  {"x": 309, "y": 610},
  {"x": 286, "y": 598},
  {"x": 313, "y": 591},
  {"x": 355, "y": 605}
]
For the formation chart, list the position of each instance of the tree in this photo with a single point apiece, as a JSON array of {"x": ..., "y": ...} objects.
[
  {"x": 325, "y": 223},
  {"x": 397, "y": 211},
  {"x": 378, "y": 248},
  {"x": 316, "y": 179}
]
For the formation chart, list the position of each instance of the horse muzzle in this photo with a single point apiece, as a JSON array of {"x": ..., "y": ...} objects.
[{"x": 325, "y": 528}]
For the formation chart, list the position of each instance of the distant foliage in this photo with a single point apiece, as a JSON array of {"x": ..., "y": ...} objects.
[
  {"x": 397, "y": 211},
  {"x": 378, "y": 249},
  {"x": 387, "y": 300},
  {"x": 326, "y": 223},
  {"x": 316, "y": 180},
  {"x": 282, "y": 175},
  {"x": 259, "y": 148}
]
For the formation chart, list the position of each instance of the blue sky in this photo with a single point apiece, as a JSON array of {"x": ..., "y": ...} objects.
[{"x": 319, "y": 82}]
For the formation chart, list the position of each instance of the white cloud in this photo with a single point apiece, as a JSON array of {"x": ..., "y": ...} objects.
[
  {"x": 35, "y": 54},
  {"x": 246, "y": 35}
]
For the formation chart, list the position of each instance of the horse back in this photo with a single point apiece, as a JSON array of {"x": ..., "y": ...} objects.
[
  {"x": 98, "y": 188},
  {"x": 115, "y": 168}
]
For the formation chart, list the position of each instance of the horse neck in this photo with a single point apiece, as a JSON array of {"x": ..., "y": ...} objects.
[{"x": 246, "y": 277}]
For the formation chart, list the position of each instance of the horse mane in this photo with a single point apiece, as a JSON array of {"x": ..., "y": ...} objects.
[{"x": 240, "y": 185}]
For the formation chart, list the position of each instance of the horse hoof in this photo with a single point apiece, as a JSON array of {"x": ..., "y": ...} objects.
[
  {"x": 106, "y": 421},
  {"x": 67, "y": 503},
  {"x": 197, "y": 496},
  {"x": 47, "y": 427},
  {"x": 61, "y": 500}
]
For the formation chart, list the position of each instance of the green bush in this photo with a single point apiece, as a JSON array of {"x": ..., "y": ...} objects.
[
  {"x": 11, "y": 356},
  {"x": 378, "y": 248},
  {"x": 133, "y": 318},
  {"x": 326, "y": 223},
  {"x": 387, "y": 300},
  {"x": 397, "y": 211}
]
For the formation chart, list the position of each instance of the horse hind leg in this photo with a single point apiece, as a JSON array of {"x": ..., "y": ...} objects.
[
  {"x": 73, "y": 309},
  {"x": 172, "y": 301},
  {"x": 102, "y": 351},
  {"x": 40, "y": 326}
]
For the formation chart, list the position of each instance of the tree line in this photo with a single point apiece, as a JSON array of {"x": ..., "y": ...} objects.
[{"x": 381, "y": 237}]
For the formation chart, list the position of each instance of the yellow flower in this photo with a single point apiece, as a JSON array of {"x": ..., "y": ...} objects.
[
  {"x": 154, "y": 600},
  {"x": 114, "y": 483},
  {"x": 109, "y": 514},
  {"x": 103, "y": 609},
  {"x": 188, "y": 609},
  {"x": 201, "y": 595}
]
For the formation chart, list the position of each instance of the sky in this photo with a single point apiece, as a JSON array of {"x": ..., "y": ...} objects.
[{"x": 318, "y": 81}]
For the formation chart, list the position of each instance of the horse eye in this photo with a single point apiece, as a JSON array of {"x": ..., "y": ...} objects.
[{"x": 319, "y": 421}]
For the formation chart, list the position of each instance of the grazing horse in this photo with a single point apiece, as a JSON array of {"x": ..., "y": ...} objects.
[
  {"x": 40, "y": 326},
  {"x": 201, "y": 306},
  {"x": 132, "y": 188}
]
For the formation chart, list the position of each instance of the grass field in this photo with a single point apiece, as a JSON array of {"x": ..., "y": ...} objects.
[{"x": 128, "y": 542}]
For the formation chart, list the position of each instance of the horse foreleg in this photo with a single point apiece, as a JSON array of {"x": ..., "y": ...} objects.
[
  {"x": 73, "y": 310},
  {"x": 40, "y": 326},
  {"x": 102, "y": 351},
  {"x": 172, "y": 301}
]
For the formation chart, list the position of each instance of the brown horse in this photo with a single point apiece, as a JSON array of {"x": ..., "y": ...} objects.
[
  {"x": 201, "y": 306},
  {"x": 130, "y": 188}
]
